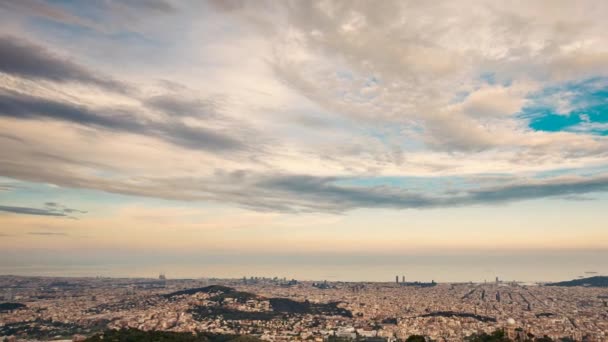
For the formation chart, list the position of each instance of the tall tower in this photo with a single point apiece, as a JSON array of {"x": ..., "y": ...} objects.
[
  {"x": 403, "y": 279},
  {"x": 397, "y": 279}
]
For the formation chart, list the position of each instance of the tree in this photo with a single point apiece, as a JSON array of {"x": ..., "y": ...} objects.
[{"x": 496, "y": 336}]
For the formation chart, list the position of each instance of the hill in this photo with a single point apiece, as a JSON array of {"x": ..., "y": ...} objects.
[
  {"x": 597, "y": 281},
  {"x": 208, "y": 289}
]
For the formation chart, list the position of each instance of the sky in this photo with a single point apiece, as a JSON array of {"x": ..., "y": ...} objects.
[{"x": 261, "y": 136}]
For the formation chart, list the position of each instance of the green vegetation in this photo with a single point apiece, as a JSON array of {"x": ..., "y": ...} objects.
[
  {"x": 389, "y": 320},
  {"x": 44, "y": 329},
  {"x": 291, "y": 306},
  {"x": 597, "y": 281},
  {"x": 459, "y": 314},
  {"x": 496, "y": 336},
  {"x": 134, "y": 335},
  {"x": 279, "y": 305},
  {"x": 543, "y": 339},
  {"x": 338, "y": 339},
  {"x": 239, "y": 296},
  {"x": 221, "y": 293},
  {"x": 5, "y": 307},
  {"x": 207, "y": 289}
]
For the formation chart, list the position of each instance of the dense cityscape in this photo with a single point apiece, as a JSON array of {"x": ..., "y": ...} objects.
[{"x": 44, "y": 308}]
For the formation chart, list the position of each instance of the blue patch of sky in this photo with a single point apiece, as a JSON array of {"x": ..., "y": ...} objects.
[
  {"x": 488, "y": 77},
  {"x": 371, "y": 81},
  {"x": 581, "y": 172},
  {"x": 344, "y": 74},
  {"x": 459, "y": 97},
  {"x": 67, "y": 31},
  {"x": 491, "y": 78},
  {"x": 586, "y": 108}
]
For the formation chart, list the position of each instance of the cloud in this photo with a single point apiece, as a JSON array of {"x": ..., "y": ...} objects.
[
  {"x": 159, "y": 6},
  {"x": 495, "y": 101},
  {"x": 21, "y": 58},
  {"x": 47, "y": 233},
  {"x": 322, "y": 194},
  {"x": 41, "y": 9},
  {"x": 54, "y": 206},
  {"x": 50, "y": 209},
  {"x": 303, "y": 193},
  {"x": 330, "y": 91},
  {"x": 21, "y": 106},
  {"x": 174, "y": 104},
  {"x": 31, "y": 211},
  {"x": 559, "y": 186},
  {"x": 589, "y": 127},
  {"x": 367, "y": 62}
]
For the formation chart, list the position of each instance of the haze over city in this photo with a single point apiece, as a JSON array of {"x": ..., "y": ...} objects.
[{"x": 316, "y": 140}]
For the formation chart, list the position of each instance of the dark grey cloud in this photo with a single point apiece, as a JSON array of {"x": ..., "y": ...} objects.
[
  {"x": 325, "y": 194},
  {"x": 301, "y": 193},
  {"x": 50, "y": 209},
  {"x": 197, "y": 137},
  {"x": 552, "y": 188},
  {"x": 31, "y": 211},
  {"x": 160, "y": 6},
  {"x": 54, "y": 206},
  {"x": 23, "y": 106},
  {"x": 27, "y": 60},
  {"x": 174, "y": 104},
  {"x": 578, "y": 198},
  {"x": 73, "y": 211}
]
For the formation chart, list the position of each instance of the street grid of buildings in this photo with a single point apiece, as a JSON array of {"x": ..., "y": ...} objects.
[{"x": 392, "y": 311}]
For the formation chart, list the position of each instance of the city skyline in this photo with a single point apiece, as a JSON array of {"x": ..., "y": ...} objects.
[{"x": 451, "y": 141}]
